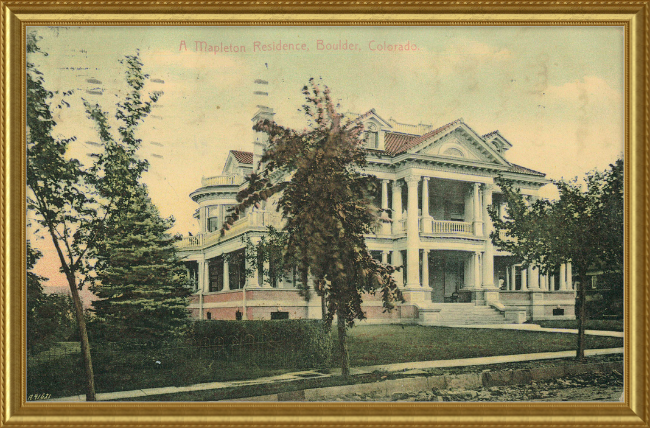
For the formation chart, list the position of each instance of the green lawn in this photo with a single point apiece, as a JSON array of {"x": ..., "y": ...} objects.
[
  {"x": 386, "y": 344},
  {"x": 368, "y": 345}
]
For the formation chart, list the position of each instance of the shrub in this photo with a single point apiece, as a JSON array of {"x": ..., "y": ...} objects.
[{"x": 305, "y": 342}]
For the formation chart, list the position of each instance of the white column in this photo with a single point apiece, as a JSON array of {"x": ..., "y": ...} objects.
[
  {"x": 513, "y": 277},
  {"x": 563, "y": 277},
  {"x": 384, "y": 194},
  {"x": 477, "y": 270},
  {"x": 253, "y": 281},
  {"x": 201, "y": 274},
  {"x": 569, "y": 277},
  {"x": 412, "y": 234},
  {"x": 206, "y": 277},
  {"x": 384, "y": 257},
  {"x": 397, "y": 206},
  {"x": 397, "y": 261},
  {"x": 426, "y": 218},
  {"x": 508, "y": 278},
  {"x": 551, "y": 281},
  {"x": 524, "y": 279},
  {"x": 476, "y": 202},
  {"x": 488, "y": 259},
  {"x": 203, "y": 219},
  {"x": 543, "y": 279},
  {"x": 425, "y": 268},
  {"x": 226, "y": 275},
  {"x": 533, "y": 277},
  {"x": 267, "y": 283},
  {"x": 385, "y": 227}
]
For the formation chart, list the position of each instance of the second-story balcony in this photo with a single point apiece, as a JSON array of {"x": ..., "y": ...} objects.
[
  {"x": 253, "y": 221},
  {"x": 440, "y": 227},
  {"x": 222, "y": 180}
]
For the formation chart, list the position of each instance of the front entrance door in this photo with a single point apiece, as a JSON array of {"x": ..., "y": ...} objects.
[
  {"x": 453, "y": 278},
  {"x": 446, "y": 275},
  {"x": 437, "y": 276}
]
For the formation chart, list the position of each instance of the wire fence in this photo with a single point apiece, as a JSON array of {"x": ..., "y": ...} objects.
[
  {"x": 247, "y": 349},
  {"x": 261, "y": 351}
]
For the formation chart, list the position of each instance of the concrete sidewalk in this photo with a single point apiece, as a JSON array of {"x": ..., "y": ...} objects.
[
  {"x": 538, "y": 328},
  {"x": 312, "y": 374}
]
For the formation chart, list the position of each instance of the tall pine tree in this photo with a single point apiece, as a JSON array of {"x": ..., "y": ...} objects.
[
  {"x": 138, "y": 278},
  {"x": 140, "y": 282}
]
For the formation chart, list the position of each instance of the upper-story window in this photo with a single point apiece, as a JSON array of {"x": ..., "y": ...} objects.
[
  {"x": 371, "y": 136},
  {"x": 213, "y": 218}
]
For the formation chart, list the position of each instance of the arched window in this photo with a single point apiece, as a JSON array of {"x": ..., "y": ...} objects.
[
  {"x": 453, "y": 152},
  {"x": 371, "y": 137}
]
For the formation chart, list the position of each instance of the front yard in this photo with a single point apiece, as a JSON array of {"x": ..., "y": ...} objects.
[
  {"x": 368, "y": 345},
  {"x": 385, "y": 344}
]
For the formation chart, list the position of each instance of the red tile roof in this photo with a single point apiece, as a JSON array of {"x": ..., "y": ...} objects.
[
  {"x": 393, "y": 142},
  {"x": 417, "y": 140},
  {"x": 521, "y": 169},
  {"x": 243, "y": 157},
  {"x": 486, "y": 136}
]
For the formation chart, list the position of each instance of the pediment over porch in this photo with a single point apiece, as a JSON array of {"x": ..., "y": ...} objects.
[{"x": 457, "y": 141}]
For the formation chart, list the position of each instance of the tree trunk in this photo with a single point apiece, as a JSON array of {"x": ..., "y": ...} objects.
[
  {"x": 323, "y": 307},
  {"x": 81, "y": 320},
  {"x": 582, "y": 315},
  {"x": 85, "y": 344},
  {"x": 343, "y": 344}
]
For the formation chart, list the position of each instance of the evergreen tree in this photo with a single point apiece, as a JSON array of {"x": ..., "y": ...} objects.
[
  {"x": 138, "y": 278},
  {"x": 327, "y": 205},
  {"x": 141, "y": 284}
]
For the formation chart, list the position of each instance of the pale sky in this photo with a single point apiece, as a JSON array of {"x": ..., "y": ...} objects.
[{"x": 556, "y": 93}]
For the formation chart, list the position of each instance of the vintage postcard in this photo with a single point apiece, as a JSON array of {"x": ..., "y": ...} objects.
[{"x": 419, "y": 214}]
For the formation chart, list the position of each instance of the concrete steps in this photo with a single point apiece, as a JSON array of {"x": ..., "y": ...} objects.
[{"x": 463, "y": 314}]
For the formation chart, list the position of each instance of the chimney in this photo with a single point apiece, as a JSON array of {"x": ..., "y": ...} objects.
[{"x": 261, "y": 138}]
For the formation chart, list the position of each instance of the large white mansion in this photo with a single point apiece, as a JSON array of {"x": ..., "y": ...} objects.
[{"x": 437, "y": 184}]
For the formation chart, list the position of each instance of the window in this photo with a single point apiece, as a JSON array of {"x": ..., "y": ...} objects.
[
  {"x": 213, "y": 224},
  {"x": 371, "y": 139},
  {"x": 279, "y": 315},
  {"x": 215, "y": 270},
  {"x": 237, "y": 270},
  {"x": 213, "y": 218}
]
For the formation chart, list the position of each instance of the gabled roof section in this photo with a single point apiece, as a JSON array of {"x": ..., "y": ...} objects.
[
  {"x": 237, "y": 160},
  {"x": 371, "y": 113},
  {"x": 523, "y": 170},
  {"x": 416, "y": 141},
  {"x": 243, "y": 157},
  {"x": 495, "y": 134}
]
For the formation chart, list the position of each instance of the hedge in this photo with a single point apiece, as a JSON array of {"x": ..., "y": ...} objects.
[{"x": 308, "y": 340}]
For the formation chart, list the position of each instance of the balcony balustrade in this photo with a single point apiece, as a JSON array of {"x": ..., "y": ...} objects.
[
  {"x": 222, "y": 180},
  {"x": 429, "y": 225},
  {"x": 443, "y": 226},
  {"x": 255, "y": 219}
]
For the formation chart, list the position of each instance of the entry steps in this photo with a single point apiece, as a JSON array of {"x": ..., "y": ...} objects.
[{"x": 460, "y": 314}]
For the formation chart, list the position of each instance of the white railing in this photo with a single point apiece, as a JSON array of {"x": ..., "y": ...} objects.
[
  {"x": 439, "y": 226},
  {"x": 222, "y": 180},
  {"x": 428, "y": 225},
  {"x": 253, "y": 219}
]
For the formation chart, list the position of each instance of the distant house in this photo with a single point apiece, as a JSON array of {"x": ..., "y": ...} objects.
[{"x": 437, "y": 183}]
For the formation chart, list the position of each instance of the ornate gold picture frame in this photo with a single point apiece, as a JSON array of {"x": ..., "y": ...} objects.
[{"x": 17, "y": 16}]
